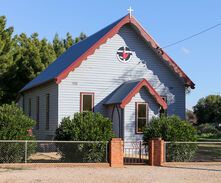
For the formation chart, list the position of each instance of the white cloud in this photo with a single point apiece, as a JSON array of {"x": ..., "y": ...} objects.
[{"x": 185, "y": 51}]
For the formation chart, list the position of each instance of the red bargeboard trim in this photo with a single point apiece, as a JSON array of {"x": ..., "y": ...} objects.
[
  {"x": 91, "y": 50},
  {"x": 110, "y": 34},
  {"x": 143, "y": 83}
]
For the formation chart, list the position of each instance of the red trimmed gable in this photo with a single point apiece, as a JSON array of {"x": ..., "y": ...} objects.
[
  {"x": 110, "y": 34},
  {"x": 146, "y": 84}
]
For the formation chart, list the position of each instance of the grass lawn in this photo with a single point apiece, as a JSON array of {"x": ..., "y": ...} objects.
[{"x": 208, "y": 152}]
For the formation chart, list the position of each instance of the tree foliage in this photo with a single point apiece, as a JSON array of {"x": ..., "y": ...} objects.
[
  {"x": 208, "y": 109},
  {"x": 58, "y": 45},
  {"x": 11, "y": 127},
  {"x": 208, "y": 130},
  {"x": 87, "y": 126},
  {"x": 23, "y": 57},
  {"x": 14, "y": 125},
  {"x": 6, "y": 53},
  {"x": 173, "y": 129},
  {"x": 191, "y": 117}
]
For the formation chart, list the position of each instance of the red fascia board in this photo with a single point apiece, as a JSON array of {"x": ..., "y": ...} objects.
[
  {"x": 91, "y": 50},
  {"x": 144, "y": 83},
  {"x": 110, "y": 34},
  {"x": 165, "y": 56}
]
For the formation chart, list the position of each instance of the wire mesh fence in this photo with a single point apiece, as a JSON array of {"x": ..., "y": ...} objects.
[
  {"x": 135, "y": 152},
  {"x": 53, "y": 151},
  {"x": 192, "y": 152}
]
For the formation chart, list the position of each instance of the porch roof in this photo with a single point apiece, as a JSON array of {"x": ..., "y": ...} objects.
[{"x": 124, "y": 93}]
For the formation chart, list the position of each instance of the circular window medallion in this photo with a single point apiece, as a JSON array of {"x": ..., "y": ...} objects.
[{"x": 124, "y": 54}]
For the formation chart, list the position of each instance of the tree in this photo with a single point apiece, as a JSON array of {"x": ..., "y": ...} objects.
[
  {"x": 58, "y": 45},
  {"x": 47, "y": 53},
  {"x": 82, "y": 36},
  {"x": 30, "y": 59},
  {"x": 191, "y": 117},
  {"x": 14, "y": 125},
  {"x": 68, "y": 42},
  {"x": 86, "y": 126},
  {"x": 173, "y": 129},
  {"x": 23, "y": 57},
  {"x": 208, "y": 109},
  {"x": 6, "y": 55},
  {"x": 6, "y": 44}
]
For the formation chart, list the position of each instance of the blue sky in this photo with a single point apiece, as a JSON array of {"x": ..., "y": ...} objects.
[{"x": 167, "y": 21}]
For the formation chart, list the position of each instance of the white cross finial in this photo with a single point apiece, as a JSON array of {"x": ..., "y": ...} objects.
[{"x": 130, "y": 11}]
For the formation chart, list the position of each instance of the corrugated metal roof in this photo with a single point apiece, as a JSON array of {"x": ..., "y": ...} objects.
[
  {"x": 68, "y": 57},
  {"x": 117, "y": 96},
  {"x": 73, "y": 57},
  {"x": 124, "y": 93}
]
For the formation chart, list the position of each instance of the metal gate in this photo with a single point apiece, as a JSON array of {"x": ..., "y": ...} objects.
[{"x": 135, "y": 153}]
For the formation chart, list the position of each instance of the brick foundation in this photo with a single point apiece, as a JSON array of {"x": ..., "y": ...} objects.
[{"x": 116, "y": 153}]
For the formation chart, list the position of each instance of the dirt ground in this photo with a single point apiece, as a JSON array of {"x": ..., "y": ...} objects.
[{"x": 147, "y": 174}]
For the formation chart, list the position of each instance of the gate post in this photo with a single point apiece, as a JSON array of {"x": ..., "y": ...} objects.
[
  {"x": 156, "y": 152},
  {"x": 116, "y": 153}
]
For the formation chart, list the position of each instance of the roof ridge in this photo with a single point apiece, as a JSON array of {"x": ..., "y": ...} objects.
[
  {"x": 76, "y": 54},
  {"x": 91, "y": 40}
]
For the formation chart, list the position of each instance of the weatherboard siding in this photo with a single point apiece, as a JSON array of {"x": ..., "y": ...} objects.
[
  {"x": 130, "y": 114},
  {"x": 20, "y": 102},
  {"x": 102, "y": 73},
  {"x": 42, "y": 91}
]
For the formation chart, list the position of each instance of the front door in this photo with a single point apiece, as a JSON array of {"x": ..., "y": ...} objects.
[{"x": 117, "y": 119}]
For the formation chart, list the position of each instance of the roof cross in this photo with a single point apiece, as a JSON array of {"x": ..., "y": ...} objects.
[{"x": 130, "y": 10}]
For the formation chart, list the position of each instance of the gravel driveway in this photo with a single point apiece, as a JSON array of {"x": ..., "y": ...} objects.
[{"x": 147, "y": 174}]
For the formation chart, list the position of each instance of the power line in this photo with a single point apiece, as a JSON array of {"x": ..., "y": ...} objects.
[{"x": 190, "y": 37}]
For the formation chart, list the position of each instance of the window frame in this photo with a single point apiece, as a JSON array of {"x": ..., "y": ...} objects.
[
  {"x": 47, "y": 111},
  {"x": 136, "y": 115},
  {"x": 37, "y": 112},
  {"x": 164, "y": 97},
  {"x": 82, "y": 97}
]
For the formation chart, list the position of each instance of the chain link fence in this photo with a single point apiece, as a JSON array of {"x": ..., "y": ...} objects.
[
  {"x": 192, "y": 152},
  {"x": 18, "y": 151}
]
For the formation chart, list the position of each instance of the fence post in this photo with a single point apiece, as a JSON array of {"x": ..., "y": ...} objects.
[
  {"x": 156, "y": 152},
  {"x": 106, "y": 151},
  {"x": 26, "y": 151},
  {"x": 116, "y": 153},
  {"x": 151, "y": 152},
  {"x": 140, "y": 146},
  {"x": 165, "y": 152}
]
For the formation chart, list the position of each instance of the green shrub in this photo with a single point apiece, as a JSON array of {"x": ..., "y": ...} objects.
[
  {"x": 208, "y": 130},
  {"x": 86, "y": 126},
  {"x": 14, "y": 125},
  {"x": 173, "y": 129}
]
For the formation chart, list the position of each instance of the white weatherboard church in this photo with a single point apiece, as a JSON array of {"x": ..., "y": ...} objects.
[{"x": 120, "y": 71}]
